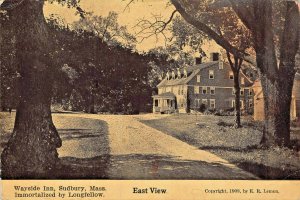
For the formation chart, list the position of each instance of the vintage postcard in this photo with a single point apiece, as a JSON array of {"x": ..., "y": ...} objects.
[{"x": 149, "y": 99}]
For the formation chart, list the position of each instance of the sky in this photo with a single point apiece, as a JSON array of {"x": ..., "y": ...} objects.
[{"x": 128, "y": 16}]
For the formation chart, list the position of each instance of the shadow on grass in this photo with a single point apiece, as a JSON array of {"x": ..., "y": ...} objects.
[
  {"x": 258, "y": 169},
  {"x": 266, "y": 172},
  {"x": 234, "y": 149}
]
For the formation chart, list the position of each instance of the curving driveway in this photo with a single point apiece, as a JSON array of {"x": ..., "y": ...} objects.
[{"x": 137, "y": 151}]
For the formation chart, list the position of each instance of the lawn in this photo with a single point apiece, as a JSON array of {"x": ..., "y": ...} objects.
[{"x": 239, "y": 146}]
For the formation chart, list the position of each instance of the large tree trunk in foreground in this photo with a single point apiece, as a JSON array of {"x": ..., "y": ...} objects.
[
  {"x": 31, "y": 151},
  {"x": 277, "y": 105},
  {"x": 277, "y": 82}
]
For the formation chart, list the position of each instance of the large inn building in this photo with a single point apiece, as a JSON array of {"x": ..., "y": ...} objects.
[{"x": 209, "y": 83}]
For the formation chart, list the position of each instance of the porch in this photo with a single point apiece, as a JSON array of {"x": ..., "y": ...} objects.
[{"x": 164, "y": 103}]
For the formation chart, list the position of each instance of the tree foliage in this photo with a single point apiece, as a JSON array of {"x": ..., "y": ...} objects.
[{"x": 106, "y": 28}]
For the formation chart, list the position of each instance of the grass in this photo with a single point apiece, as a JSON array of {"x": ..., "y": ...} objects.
[{"x": 216, "y": 134}]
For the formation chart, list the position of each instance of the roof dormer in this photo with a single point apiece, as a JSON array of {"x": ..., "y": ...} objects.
[
  {"x": 178, "y": 73},
  {"x": 173, "y": 75},
  {"x": 168, "y": 75},
  {"x": 185, "y": 73}
]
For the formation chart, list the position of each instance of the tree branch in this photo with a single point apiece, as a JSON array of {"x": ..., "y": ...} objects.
[
  {"x": 149, "y": 28},
  {"x": 206, "y": 29},
  {"x": 9, "y": 5},
  {"x": 127, "y": 5}
]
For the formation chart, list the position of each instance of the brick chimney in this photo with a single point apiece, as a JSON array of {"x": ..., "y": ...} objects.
[
  {"x": 198, "y": 60},
  {"x": 215, "y": 56}
]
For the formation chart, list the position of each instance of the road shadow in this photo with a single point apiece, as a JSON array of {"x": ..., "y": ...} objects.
[
  {"x": 163, "y": 167},
  {"x": 85, "y": 153},
  {"x": 83, "y": 168},
  {"x": 142, "y": 167}
]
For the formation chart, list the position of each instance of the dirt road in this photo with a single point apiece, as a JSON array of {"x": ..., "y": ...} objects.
[{"x": 137, "y": 151}]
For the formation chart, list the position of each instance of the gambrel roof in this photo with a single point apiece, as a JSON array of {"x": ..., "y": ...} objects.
[{"x": 192, "y": 71}]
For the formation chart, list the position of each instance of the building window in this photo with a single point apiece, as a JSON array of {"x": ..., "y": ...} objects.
[
  {"x": 242, "y": 80},
  {"x": 250, "y": 103},
  {"x": 198, "y": 78},
  {"x": 231, "y": 75},
  {"x": 156, "y": 103},
  {"x": 204, "y": 90},
  {"x": 221, "y": 65},
  {"x": 212, "y": 103},
  {"x": 168, "y": 89},
  {"x": 212, "y": 90},
  {"x": 204, "y": 101},
  {"x": 241, "y": 104},
  {"x": 211, "y": 74},
  {"x": 233, "y": 91},
  {"x": 233, "y": 103},
  {"x": 242, "y": 92},
  {"x": 196, "y": 89},
  {"x": 250, "y": 92}
]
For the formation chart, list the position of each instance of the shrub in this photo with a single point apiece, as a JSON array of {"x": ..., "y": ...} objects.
[
  {"x": 202, "y": 108},
  {"x": 225, "y": 124}
]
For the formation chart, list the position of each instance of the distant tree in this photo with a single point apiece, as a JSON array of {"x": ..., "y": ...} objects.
[
  {"x": 106, "y": 28},
  {"x": 111, "y": 82},
  {"x": 227, "y": 24}
]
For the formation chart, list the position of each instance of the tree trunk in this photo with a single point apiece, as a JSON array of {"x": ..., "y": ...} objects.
[
  {"x": 270, "y": 91},
  {"x": 237, "y": 93},
  {"x": 31, "y": 150},
  {"x": 236, "y": 67},
  {"x": 277, "y": 82},
  {"x": 277, "y": 105},
  {"x": 89, "y": 103}
]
